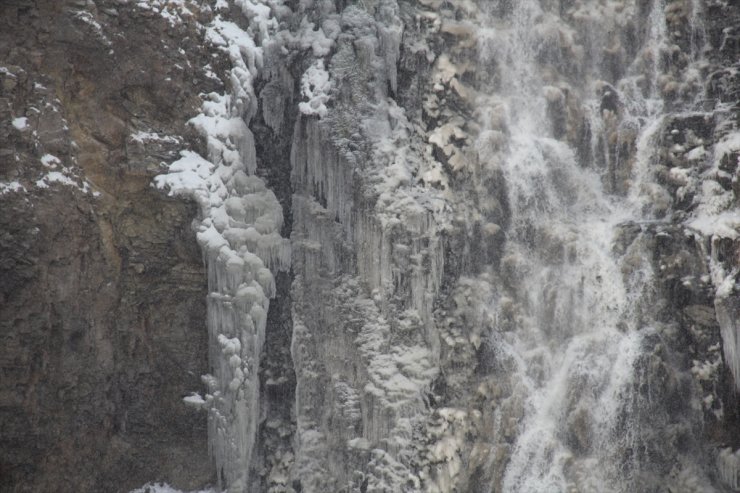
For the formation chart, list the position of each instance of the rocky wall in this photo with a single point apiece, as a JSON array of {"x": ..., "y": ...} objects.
[{"x": 103, "y": 287}]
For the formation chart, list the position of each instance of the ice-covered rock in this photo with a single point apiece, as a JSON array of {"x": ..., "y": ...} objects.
[
  {"x": 239, "y": 233},
  {"x": 513, "y": 231}
]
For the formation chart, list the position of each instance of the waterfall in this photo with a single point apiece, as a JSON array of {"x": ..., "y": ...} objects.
[
  {"x": 484, "y": 246},
  {"x": 537, "y": 150},
  {"x": 582, "y": 332}
]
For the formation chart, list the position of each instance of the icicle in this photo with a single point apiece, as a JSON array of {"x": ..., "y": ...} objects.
[
  {"x": 390, "y": 31},
  {"x": 728, "y": 463},
  {"x": 319, "y": 171}
]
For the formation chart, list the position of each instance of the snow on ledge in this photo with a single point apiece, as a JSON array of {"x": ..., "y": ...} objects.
[{"x": 11, "y": 187}]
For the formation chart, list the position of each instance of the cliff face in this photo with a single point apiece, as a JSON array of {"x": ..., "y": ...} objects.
[
  {"x": 102, "y": 285},
  {"x": 448, "y": 245}
]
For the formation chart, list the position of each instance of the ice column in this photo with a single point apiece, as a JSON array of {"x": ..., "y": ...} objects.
[
  {"x": 728, "y": 464},
  {"x": 239, "y": 233}
]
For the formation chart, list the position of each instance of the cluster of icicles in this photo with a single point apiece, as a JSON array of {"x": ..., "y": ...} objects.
[{"x": 239, "y": 233}]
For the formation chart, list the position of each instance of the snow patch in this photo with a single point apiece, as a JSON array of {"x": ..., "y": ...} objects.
[
  {"x": 20, "y": 123},
  {"x": 50, "y": 161},
  {"x": 11, "y": 187},
  {"x": 315, "y": 86},
  {"x": 722, "y": 225},
  {"x": 144, "y": 137},
  {"x": 174, "y": 11},
  {"x": 166, "y": 488}
]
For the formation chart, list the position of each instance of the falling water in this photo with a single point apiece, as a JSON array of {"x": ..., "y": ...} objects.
[
  {"x": 580, "y": 334},
  {"x": 575, "y": 333}
]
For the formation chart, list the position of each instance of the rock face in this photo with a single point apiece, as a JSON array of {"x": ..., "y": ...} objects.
[
  {"x": 448, "y": 245},
  {"x": 102, "y": 286}
]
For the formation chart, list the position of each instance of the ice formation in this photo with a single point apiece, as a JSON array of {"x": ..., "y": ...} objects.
[
  {"x": 728, "y": 463},
  {"x": 380, "y": 243},
  {"x": 492, "y": 219},
  {"x": 716, "y": 217},
  {"x": 315, "y": 86},
  {"x": 239, "y": 233},
  {"x": 165, "y": 488}
]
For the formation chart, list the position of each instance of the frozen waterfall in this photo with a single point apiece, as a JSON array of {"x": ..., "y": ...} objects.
[
  {"x": 475, "y": 281},
  {"x": 583, "y": 328}
]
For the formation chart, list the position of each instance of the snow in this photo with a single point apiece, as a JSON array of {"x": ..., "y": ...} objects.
[
  {"x": 728, "y": 144},
  {"x": 194, "y": 400},
  {"x": 11, "y": 187},
  {"x": 246, "y": 60},
  {"x": 88, "y": 18},
  {"x": 229, "y": 139},
  {"x": 724, "y": 225},
  {"x": 359, "y": 443},
  {"x": 696, "y": 154},
  {"x": 715, "y": 213},
  {"x": 443, "y": 137},
  {"x": 705, "y": 370},
  {"x": 145, "y": 137},
  {"x": 57, "y": 177},
  {"x": 174, "y": 11},
  {"x": 315, "y": 87},
  {"x": 189, "y": 175},
  {"x": 208, "y": 72},
  {"x": 712, "y": 216},
  {"x": 166, "y": 488},
  {"x": 20, "y": 123},
  {"x": 62, "y": 178},
  {"x": 50, "y": 161}
]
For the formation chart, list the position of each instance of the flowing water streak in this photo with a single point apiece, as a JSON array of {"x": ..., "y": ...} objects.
[
  {"x": 578, "y": 340},
  {"x": 698, "y": 32}
]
